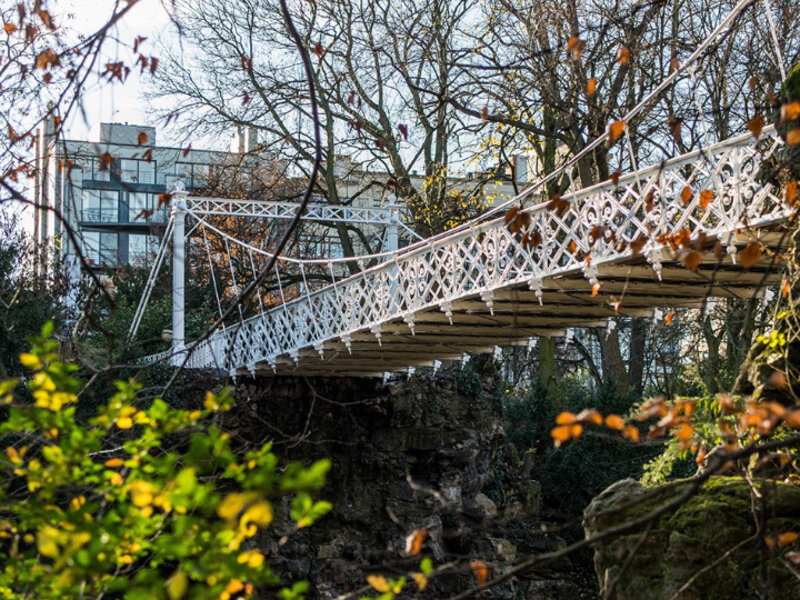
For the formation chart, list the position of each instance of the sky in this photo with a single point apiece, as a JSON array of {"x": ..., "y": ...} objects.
[{"x": 117, "y": 102}]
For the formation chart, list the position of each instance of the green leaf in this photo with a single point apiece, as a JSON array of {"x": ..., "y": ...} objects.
[{"x": 426, "y": 565}]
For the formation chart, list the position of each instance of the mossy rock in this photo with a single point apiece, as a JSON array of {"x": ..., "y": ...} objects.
[
  {"x": 791, "y": 86},
  {"x": 681, "y": 557}
]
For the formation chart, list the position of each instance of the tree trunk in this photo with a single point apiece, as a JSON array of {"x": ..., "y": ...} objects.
[
  {"x": 547, "y": 362},
  {"x": 636, "y": 357},
  {"x": 613, "y": 365}
]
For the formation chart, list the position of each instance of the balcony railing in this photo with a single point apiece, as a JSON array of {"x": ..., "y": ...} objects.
[{"x": 111, "y": 215}]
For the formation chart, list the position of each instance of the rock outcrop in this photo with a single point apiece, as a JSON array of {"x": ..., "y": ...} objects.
[
  {"x": 710, "y": 548},
  {"x": 416, "y": 455}
]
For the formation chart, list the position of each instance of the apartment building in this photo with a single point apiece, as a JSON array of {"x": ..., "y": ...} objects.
[{"x": 108, "y": 192}]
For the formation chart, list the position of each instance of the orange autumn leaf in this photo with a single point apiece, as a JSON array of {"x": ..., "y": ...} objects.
[
  {"x": 479, "y": 571},
  {"x": 785, "y": 288},
  {"x": 590, "y": 415},
  {"x": 784, "y": 539},
  {"x": 623, "y": 55},
  {"x": 790, "y": 112},
  {"x": 615, "y": 130},
  {"x": 631, "y": 432},
  {"x": 415, "y": 540},
  {"x": 792, "y": 419},
  {"x": 751, "y": 254},
  {"x": 790, "y": 193},
  {"x": 669, "y": 317},
  {"x": 706, "y": 196},
  {"x": 591, "y": 87},
  {"x": 141, "y": 138},
  {"x": 684, "y": 432},
  {"x": 560, "y": 434},
  {"x": 379, "y": 583},
  {"x": 113, "y": 462},
  {"x": 756, "y": 125},
  {"x": 615, "y": 422},
  {"x": 565, "y": 418},
  {"x": 793, "y": 137},
  {"x": 686, "y": 194}
]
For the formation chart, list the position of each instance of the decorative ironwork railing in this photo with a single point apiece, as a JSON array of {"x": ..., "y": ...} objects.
[{"x": 634, "y": 212}]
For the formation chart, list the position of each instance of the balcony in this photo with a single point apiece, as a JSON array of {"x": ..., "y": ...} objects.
[{"x": 110, "y": 216}]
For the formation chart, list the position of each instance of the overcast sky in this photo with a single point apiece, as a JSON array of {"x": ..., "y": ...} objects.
[{"x": 116, "y": 103}]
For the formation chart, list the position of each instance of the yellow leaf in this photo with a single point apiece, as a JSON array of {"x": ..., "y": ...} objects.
[
  {"x": 176, "y": 585},
  {"x": 124, "y": 423},
  {"x": 379, "y": 583},
  {"x": 30, "y": 360},
  {"x": 260, "y": 514},
  {"x": 46, "y": 542},
  {"x": 116, "y": 479},
  {"x": 230, "y": 506},
  {"x": 420, "y": 580}
]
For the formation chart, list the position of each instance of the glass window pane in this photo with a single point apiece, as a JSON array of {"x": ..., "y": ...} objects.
[
  {"x": 91, "y": 246},
  {"x": 100, "y": 175},
  {"x": 129, "y": 170},
  {"x": 137, "y": 202},
  {"x": 147, "y": 171}
]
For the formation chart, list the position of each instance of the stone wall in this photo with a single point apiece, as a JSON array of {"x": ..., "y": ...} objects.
[{"x": 417, "y": 454}]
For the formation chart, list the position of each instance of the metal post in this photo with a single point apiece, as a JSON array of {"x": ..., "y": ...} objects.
[
  {"x": 178, "y": 270},
  {"x": 393, "y": 227}
]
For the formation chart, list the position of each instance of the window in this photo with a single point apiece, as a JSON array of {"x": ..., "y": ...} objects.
[
  {"x": 137, "y": 202},
  {"x": 92, "y": 171},
  {"x": 137, "y": 171},
  {"x": 100, "y": 206},
  {"x": 141, "y": 248},
  {"x": 100, "y": 248}
]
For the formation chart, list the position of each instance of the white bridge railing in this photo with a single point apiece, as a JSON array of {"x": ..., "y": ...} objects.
[{"x": 640, "y": 208}]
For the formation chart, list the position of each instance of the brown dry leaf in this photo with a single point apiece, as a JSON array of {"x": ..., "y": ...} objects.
[
  {"x": 9, "y": 28},
  {"x": 751, "y": 83},
  {"x": 163, "y": 199},
  {"x": 479, "y": 571},
  {"x": 615, "y": 422},
  {"x": 575, "y": 47},
  {"x": 590, "y": 415},
  {"x": 674, "y": 63},
  {"x": 591, "y": 87},
  {"x": 623, "y": 55},
  {"x": 669, "y": 317},
  {"x": 558, "y": 205},
  {"x": 756, "y": 125},
  {"x": 674, "y": 124},
  {"x": 706, "y": 196},
  {"x": 751, "y": 254},
  {"x": 693, "y": 260},
  {"x": 614, "y": 177},
  {"x": 415, "y": 540},
  {"x": 686, "y": 194},
  {"x": 792, "y": 419},
  {"x": 141, "y": 138},
  {"x": 105, "y": 161},
  {"x": 793, "y": 136},
  {"x": 794, "y": 557},
  {"x": 615, "y": 130},
  {"x": 485, "y": 113}
]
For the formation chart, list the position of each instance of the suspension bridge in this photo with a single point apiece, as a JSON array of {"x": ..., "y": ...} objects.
[{"x": 667, "y": 235}]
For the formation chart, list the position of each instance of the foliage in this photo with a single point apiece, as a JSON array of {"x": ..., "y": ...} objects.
[
  {"x": 140, "y": 502},
  {"x": 574, "y": 467},
  {"x": 26, "y": 301}
]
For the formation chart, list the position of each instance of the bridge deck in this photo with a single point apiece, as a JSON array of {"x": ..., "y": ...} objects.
[{"x": 498, "y": 291}]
